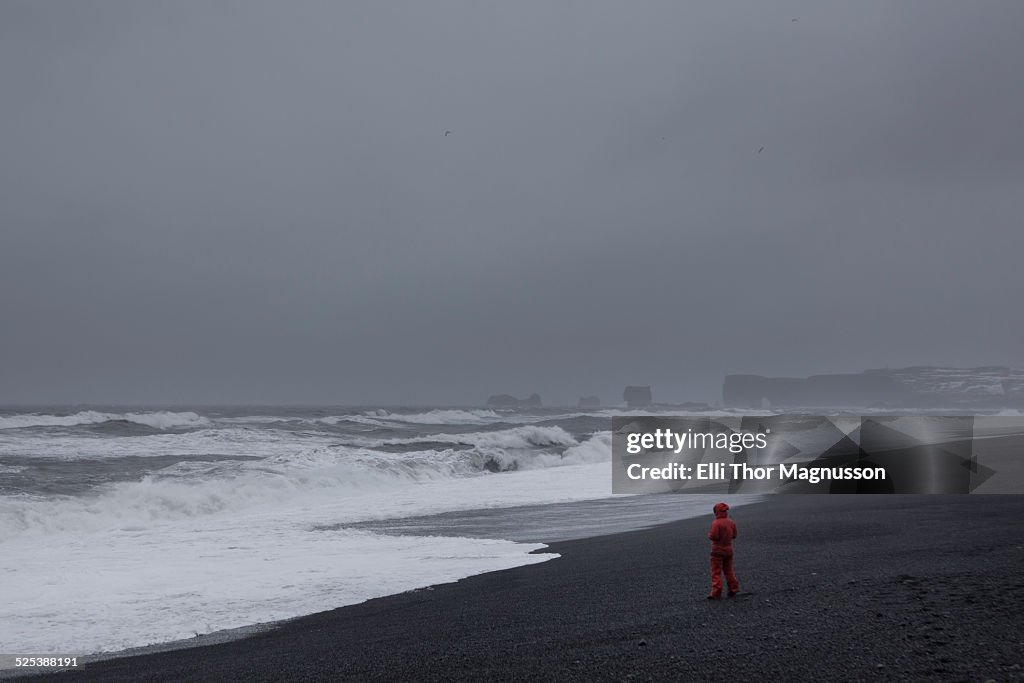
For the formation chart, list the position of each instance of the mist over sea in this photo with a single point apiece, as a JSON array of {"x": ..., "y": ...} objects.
[{"x": 123, "y": 527}]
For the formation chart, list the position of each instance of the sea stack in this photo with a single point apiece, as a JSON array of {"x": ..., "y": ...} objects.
[{"x": 637, "y": 396}]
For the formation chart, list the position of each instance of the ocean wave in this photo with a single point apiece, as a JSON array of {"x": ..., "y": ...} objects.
[
  {"x": 158, "y": 420},
  {"x": 437, "y": 417},
  {"x": 259, "y": 421},
  {"x": 184, "y": 491},
  {"x": 515, "y": 438},
  {"x": 318, "y": 475},
  {"x": 90, "y": 595},
  {"x": 376, "y": 418},
  {"x": 227, "y": 441},
  {"x": 355, "y": 419}
]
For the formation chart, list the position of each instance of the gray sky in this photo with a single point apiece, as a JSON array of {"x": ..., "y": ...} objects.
[{"x": 256, "y": 202}]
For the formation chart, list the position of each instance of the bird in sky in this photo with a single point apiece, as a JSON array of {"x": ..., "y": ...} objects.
[
  {"x": 760, "y": 150},
  {"x": 447, "y": 133}
]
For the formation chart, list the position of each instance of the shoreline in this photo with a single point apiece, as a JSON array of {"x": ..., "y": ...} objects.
[
  {"x": 851, "y": 586},
  {"x": 526, "y": 524}
]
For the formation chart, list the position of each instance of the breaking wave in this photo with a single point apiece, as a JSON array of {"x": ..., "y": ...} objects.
[
  {"x": 323, "y": 474},
  {"x": 158, "y": 420},
  {"x": 220, "y": 441},
  {"x": 385, "y": 418},
  {"x": 438, "y": 417},
  {"x": 515, "y": 438}
]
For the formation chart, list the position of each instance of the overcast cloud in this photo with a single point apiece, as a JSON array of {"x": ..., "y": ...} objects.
[{"x": 257, "y": 202}]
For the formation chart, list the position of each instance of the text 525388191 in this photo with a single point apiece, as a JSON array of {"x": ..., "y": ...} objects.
[{"x": 35, "y": 661}]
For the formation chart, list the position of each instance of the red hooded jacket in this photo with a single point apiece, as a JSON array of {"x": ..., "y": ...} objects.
[{"x": 723, "y": 530}]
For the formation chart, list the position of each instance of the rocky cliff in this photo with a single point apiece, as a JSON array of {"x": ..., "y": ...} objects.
[{"x": 919, "y": 386}]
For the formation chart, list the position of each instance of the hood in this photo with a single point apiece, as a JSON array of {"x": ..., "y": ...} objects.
[{"x": 721, "y": 510}]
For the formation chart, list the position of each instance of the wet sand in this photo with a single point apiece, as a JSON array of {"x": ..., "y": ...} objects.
[{"x": 832, "y": 587}]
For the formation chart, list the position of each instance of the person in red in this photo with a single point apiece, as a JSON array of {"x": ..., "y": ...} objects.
[{"x": 723, "y": 531}]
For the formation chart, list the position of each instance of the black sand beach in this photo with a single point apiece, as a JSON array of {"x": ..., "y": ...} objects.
[{"x": 834, "y": 587}]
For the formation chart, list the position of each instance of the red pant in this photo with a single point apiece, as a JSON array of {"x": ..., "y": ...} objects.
[{"x": 722, "y": 564}]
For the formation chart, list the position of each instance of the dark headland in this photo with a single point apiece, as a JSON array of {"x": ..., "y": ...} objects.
[{"x": 870, "y": 588}]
